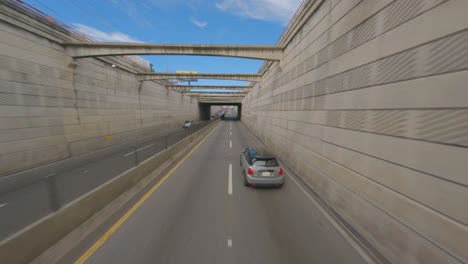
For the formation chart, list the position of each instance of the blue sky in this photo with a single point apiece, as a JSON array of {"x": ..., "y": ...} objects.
[{"x": 179, "y": 22}]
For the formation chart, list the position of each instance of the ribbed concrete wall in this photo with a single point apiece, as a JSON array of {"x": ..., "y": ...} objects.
[
  {"x": 370, "y": 107},
  {"x": 50, "y": 110}
]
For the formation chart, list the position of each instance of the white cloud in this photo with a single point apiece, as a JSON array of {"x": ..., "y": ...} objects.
[
  {"x": 200, "y": 24},
  {"x": 268, "y": 10},
  {"x": 103, "y": 36}
]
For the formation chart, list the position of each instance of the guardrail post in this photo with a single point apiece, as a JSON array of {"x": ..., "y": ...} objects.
[
  {"x": 52, "y": 191},
  {"x": 136, "y": 155}
]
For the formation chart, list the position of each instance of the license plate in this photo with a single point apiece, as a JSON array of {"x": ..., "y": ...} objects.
[{"x": 266, "y": 173}]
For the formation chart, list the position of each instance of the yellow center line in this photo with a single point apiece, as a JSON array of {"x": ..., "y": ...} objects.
[{"x": 132, "y": 210}]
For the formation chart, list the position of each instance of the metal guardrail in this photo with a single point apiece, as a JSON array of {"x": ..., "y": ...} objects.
[
  {"x": 45, "y": 17},
  {"x": 33, "y": 194}
]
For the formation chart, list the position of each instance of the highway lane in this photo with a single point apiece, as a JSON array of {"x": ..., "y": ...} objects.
[
  {"x": 197, "y": 215},
  {"x": 60, "y": 183}
]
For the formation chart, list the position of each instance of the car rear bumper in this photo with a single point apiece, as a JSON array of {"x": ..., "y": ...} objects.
[{"x": 265, "y": 181}]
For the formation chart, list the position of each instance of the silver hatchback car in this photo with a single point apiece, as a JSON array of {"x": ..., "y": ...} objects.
[{"x": 260, "y": 169}]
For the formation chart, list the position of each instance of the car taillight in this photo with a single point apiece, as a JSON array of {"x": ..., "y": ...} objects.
[
  {"x": 280, "y": 172},
  {"x": 250, "y": 171}
]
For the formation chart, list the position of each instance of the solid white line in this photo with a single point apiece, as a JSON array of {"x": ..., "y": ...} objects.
[
  {"x": 229, "y": 242},
  {"x": 130, "y": 153},
  {"x": 3, "y": 204},
  {"x": 230, "y": 180},
  {"x": 230, "y": 143},
  {"x": 50, "y": 175},
  {"x": 150, "y": 145}
]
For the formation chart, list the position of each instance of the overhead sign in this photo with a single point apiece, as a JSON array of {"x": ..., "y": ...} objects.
[{"x": 187, "y": 80}]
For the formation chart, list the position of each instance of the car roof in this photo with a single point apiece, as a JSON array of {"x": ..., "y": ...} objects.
[{"x": 263, "y": 155}]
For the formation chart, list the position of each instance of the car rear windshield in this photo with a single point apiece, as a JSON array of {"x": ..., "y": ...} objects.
[{"x": 266, "y": 163}]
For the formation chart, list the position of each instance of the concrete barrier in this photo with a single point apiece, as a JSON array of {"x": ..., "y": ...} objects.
[{"x": 29, "y": 243}]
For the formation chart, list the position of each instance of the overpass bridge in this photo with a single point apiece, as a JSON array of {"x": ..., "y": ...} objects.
[
  {"x": 216, "y": 94},
  {"x": 95, "y": 49},
  {"x": 149, "y": 76},
  {"x": 363, "y": 102},
  {"x": 187, "y": 88}
]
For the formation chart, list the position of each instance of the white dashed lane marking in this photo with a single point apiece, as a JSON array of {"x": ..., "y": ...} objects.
[{"x": 230, "y": 180}]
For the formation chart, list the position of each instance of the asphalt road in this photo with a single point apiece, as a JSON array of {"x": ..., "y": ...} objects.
[
  {"x": 57, "y": 184},
  {"x": 203, "y": 214}
]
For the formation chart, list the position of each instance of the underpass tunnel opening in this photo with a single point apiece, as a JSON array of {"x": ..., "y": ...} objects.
[{"x": 225, "y": 111}]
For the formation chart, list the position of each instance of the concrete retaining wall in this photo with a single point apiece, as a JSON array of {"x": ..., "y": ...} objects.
[
  {"x": 370, "y": 107},
  {"x": 26, "y": 245},
  {"x": 53, "y": 108}
]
